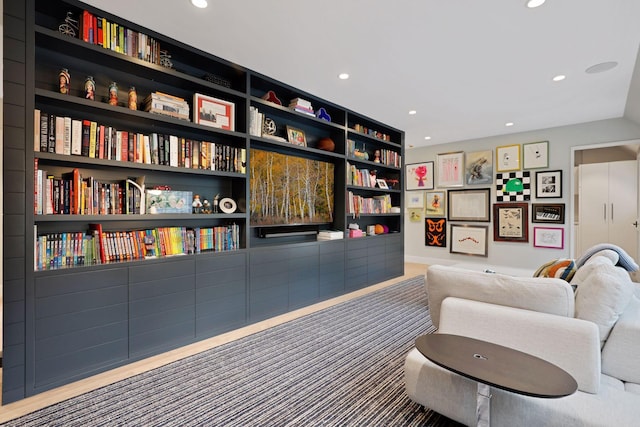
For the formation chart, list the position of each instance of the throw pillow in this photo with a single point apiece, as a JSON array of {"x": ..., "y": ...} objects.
[{"x": 559, "y": 268}]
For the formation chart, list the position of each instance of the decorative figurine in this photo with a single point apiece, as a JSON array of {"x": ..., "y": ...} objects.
[
  {"x": 197, "y": 204},
  {"x": 165, "y": 59},
  {"x": 89, "y": 88},
  {"x": 113, "y": 94},
  {"x": 70, "y": 26},
  {"x": 133, "y": 98},
  {"x": 376, "y": 156},
  {"x": 65, "y": 81},
  {"x": 206, "y": 207},
  {"x": 216, "y": 203}
]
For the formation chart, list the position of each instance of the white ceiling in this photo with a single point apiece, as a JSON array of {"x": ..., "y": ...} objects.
[{"x": 466, "y": 66}]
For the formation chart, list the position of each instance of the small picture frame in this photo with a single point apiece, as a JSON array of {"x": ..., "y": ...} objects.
[
  {"x": 435, "y": 232},
  {"x": 548, "y": 237},
  {"x": 415, "y": 200},
  {"x": 510, "y": 222},
  {"x": 419, "y": 176},
  {"x": 213, "y": 112},
  {"x": 436, "y": 203},
  {"x": 535, "y": 155},
  {"x": 508, "y": 158},
  {"x": 469, "y": 205},
  {"x": 382, "y": 184},
  {"x": 451, "y": 169},
  {"x": 549, "y": 184},
  {"x": 551, "y": 213},
  {"x": 296, "y": 136},
  {"x": 469, "y": 239}
]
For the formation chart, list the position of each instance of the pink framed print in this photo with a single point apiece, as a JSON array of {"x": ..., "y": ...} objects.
[
  {"x": 548, "y": 237},
  {"x": 451, "y": 169}
]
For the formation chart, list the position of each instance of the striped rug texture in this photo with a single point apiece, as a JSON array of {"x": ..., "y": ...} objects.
[{"x": 342, "y": 366}]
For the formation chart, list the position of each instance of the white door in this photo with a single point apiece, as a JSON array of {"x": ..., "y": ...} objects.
[
  {"x": 623, "y": 205},
  {"x": 593, "y": 201}
]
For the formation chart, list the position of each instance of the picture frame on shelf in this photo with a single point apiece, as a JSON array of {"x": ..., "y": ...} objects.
[
  {"x": 296, "y": 136},
  {"x": 419, "y": 176},
  {"x": 435, "y": 232},
  {"x": 548, "y": 237},
  {"x": 382, "y": 184},
  {"x": 469, "y": 239},
  {"x": 451, "y": 169},
  {"x": 469, "y": 205},
  {"x": 415, "y": 200},
  {"x": 478, "y": 167},
  {"x": 508, "y": 158},
  {"x": 550, "y": 213},
  {"x": 213, "y": 112},
  {"x": 436, "y": 203},
  {"x": 535, "y": 155},
  {"x": 510, "y": 222},
  {"x": 549, "y": 184}
]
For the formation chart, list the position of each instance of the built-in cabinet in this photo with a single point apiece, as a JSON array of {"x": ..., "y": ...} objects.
[
  {"x": 608, "y": 197},
  {"x": 66, "y": 322}
]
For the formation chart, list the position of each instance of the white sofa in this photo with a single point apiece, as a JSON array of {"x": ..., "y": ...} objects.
[{"x": 594, "y": 335}]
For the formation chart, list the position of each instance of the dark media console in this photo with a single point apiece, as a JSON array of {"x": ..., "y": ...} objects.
[{"x": 287, "y": 231}]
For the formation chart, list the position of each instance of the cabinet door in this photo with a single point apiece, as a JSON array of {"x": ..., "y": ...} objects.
[
  {"x": 623, "y": 200},
  {"x": 594, "y": 205}
]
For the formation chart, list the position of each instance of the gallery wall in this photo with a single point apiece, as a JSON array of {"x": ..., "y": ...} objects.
[{"x": 515, "y": 254}]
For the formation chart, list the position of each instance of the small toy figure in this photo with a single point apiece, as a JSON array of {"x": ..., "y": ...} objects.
[
  {"x": 65, "y": 81},
  {"x": 197, "y": 204},
  {"x": 113, "y": 94},
  {"x": 89, "y": 88},
  {"x": 206, "y": 207},
  {"x": 376, "y": 156},
  {"x": 133, "y": 98},
  {"x": 216, "y": 203}
]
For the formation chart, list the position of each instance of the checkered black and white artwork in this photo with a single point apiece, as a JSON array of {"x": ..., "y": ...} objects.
[{"x": 523, "y": 192}]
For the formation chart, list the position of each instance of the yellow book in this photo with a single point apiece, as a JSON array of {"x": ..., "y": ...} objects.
[{"x": 93, "y": 130}]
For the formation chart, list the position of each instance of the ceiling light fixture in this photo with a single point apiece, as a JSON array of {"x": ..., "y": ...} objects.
[
  {"x": 559, "y": 78},
  {"x": 427, "y": 138},
  {"x": 412, "y": 112},
  {"x": 199, "y": 3},
  {"x": 534, "y": 3},
  {"x": 343, "y": 76},
  {"x": 508, "y": 124},
  {"x": 601, "y": 67}
]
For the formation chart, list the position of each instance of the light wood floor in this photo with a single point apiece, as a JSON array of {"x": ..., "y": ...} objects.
[{"x": 25, "y": 406}]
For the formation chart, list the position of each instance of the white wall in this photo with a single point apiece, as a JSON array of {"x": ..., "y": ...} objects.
[{"x": 516, "y": 254}]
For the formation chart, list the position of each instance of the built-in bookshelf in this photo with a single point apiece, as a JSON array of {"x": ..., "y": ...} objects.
[{"x": 128, "y": 159}]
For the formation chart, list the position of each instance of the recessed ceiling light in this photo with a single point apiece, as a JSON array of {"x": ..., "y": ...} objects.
[
  {"x": 427, "y": 138},
  {"x": 199, "y": 3},
  {"x": 343, "y": 76},
  {"x": 508, "y": 124},
  {"x": 412, "y": 112},
  {"x": 601, "y": 67},
  {"x": 534, "y": 3},
  {"x": 559, "y": 78}
]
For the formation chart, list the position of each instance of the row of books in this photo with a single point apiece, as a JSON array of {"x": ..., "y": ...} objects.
[
  {"x": 371, "y": 132},
  {"x": 102, "y": 32},
  {"x": 360, "y": 177},
  {"x": 67, "y": 136},
  {"x": 386, "y": 157},
  {"x": 74, "y": 249},
  {"x": 168, "y": 105},
  {"x": 357, "y": 205}
]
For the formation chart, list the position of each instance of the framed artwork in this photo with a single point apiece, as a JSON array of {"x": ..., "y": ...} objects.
[
  {"x": 469, "y": 239},
  {"x": 296, "y": 136},
  {"x": 478, "y": 167},
  {"x": 436, "y": 203},
  {"x": 382, "y": 183},
  {"x": 451, "y": 169},
  {"x": 548, "y": 237},
  {"x": 510, "y": 222},
  {"x": 508, "y": 158},
  {"x": 416, "y": 200},
  {"x": 535, "y": 155},
  {"x": 549, "y": 184},
  {"x": 435, "y": 232},
  {"x": 214, "y": 112},
  {"x": 552, "y": 213},
  {"x": 513, "y": 186},
  {"x": 419, "y": 176},
  {"x": 469, "y": 205},
  {"x": 415, "y": 215}
]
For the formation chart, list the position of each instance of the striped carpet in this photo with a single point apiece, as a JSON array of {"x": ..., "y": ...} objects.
[{"x": 342, "y": 366}]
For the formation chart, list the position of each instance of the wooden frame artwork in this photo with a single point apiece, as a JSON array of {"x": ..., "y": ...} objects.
[
  {"x": 451, "y": 169},
  {"x": 549, "y": 184},
  {"x": 535, "y": 155},
  {"x": 510, "y": 222},
  {"x": 469, "y": 205},
  {"x": 419, "y": 176},
  {"x": 435, "y": 232},
  {"x": 478, "y": 167},
  {"x": 213, "y": 112},
  {"x": 552, "y": 213},
  {"x": 469, "y": 239},
  {"x": 296, "y": 136},
  {"x": 508, "y": 158},
  {"x": 548, "y": 237},
  {"x": 436, "y": 203}
]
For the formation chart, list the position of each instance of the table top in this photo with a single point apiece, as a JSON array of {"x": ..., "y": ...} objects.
[{"x": 497, "y": 366}]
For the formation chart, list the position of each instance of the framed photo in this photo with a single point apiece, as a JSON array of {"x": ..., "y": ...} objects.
[
  {"x": 549, "y": 213},
  {"x": 296, "y": 136},
  {"x": 513, "y": 186},
  {"x": 416, "y": 200},
  {"x": 451, "y": 169},
  {"x": 469, "y": 205},
  {"x": 508, "y": 158},
  {"x": 469, "y": 239},
  {"x": 382, "y": 183},
  {"x": 549, "y": 184},
  {"x": 478, "y": 167},
  {"x": 435, "y": 232},
  {"x": 535, "y": 155},
  {"x": 436, "y": 203},
  {"x": 510, "y": 222},
  {"x": 419, "y": 176},
  {"x": 214, "y": 112},
  {"x": 548, "y": 237}
]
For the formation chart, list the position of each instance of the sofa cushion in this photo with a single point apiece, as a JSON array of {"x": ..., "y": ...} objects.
[
  {"x": 603, "y": 293},
  {"x": 561, "y": 268},
  {"x": 621, "y": 352},
  {"x": 547, "y": 295}
]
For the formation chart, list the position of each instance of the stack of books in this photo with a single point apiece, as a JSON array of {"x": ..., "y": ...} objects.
[
  {"x": 168, "y": 105},
  {"x": 301, "y": 106},
  {"x": 330, "y": 235}
]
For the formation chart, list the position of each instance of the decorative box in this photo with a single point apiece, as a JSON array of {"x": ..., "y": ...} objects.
[{"x": 168, "y": 201}]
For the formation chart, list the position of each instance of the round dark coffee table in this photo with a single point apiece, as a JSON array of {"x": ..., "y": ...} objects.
[{"x": 493, "y": 365}]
